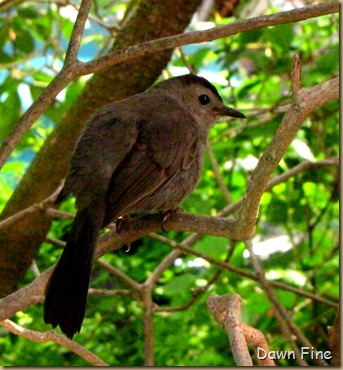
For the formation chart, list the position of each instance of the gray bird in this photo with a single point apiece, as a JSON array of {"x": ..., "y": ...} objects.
[{"x": 141, "y": 154}]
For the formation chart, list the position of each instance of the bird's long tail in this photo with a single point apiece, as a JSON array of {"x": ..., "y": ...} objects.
[{"x": 67, "y": 289}]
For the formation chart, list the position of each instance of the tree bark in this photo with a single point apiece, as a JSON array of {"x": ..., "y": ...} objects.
[{"x": 152, "y": 19}]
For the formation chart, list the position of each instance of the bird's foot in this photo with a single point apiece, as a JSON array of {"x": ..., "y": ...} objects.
[
  {"x": 120, "y": 226},
  {"x": 167, "y": 215},
  {"x": 120, "y": 223}
]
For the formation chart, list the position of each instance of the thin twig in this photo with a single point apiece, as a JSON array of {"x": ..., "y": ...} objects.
[
  {"x": 304, "y": 166},
  {"x": 217, "y": 173},
  {"x": 76, "y": 35},
  {"x": 110, "y": 292},
  {"x": 286, "y": 330},
  {"x": 162, "y": 266},
  {"x": 51, "y": 336},
  {"x": 56, "y": 242},
  {"x": 190, "y": 68},
  {"x": 184, "y": 248},
  {"x": 198, "y": 292},
  {"x": 32, "y": 209},
  {"x": 296, "y": 75},
  {"x": 53, "y": 212},
  {"x": 116, "y": 272}
]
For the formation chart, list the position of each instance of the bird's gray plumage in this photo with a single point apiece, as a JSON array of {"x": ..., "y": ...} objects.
[{"x": 141, "y": 154}]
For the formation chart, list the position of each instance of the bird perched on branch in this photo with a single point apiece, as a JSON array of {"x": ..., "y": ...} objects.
[{"x": 141, "y": 154}]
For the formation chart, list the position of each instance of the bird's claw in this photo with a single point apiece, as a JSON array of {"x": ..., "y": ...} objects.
[
  {"x": 167, "y": 215},
  {"x": 120, "y": 226}
]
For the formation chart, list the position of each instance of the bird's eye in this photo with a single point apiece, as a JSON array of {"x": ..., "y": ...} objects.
[{"x": 204, "y": 99}]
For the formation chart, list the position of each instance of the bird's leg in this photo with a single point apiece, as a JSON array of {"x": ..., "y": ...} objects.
[
  {"x": 120, "y": 223},
  {"x": 120, "y": 226},
  {"x": 167, "y": 215}
]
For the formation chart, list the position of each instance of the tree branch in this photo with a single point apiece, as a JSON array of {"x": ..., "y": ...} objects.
[
  {"x": 73, "y": 70},
  {"x": 171, "y": 42},
  {"x": 43, "y": 205},
  {"x": 136, "y": 228},
  {"x": 304, "y": 102},
  {"x": 76, "y": 36},
  {"x": 146, "y": 293},
  {"x": 51, "y": 336},
  {"x": 64, "y": 77},
  {"x": 226, "y": 310}
]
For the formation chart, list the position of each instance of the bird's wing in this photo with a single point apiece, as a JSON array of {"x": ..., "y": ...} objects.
[
  {"x": 166, "y": 143},
  {"x": 100, "y": 150}
]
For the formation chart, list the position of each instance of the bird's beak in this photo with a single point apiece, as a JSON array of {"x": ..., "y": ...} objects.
[{"x": 227, "y": 111}]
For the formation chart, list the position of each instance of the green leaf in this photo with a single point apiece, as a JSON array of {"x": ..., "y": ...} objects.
[
  {"x": 24, "y": 41},
  {"x": 281, "y": 36},
  {"x": 28, "y": 11},
  {"x": 250, "y": 37},
  {"x": 10, "y": 110}
]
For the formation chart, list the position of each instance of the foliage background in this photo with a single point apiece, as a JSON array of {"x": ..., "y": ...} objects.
[{"x": 251, "y": 70}]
